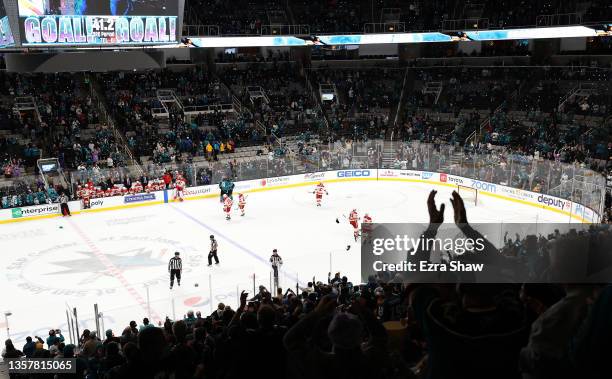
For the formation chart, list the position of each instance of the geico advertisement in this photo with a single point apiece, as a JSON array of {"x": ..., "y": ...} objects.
[{"x": 353, "y": 174}]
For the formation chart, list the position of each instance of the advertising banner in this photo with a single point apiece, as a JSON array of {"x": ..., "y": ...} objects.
[
  {"x": 199, "y": 191},
  {"x": 36, "y": 210},
  {"x": 139, "y": 198},
  {"x": 84, "y": 22}
]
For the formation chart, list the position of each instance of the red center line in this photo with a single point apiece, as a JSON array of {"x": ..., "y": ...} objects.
[{"x": 115, "y": 272}]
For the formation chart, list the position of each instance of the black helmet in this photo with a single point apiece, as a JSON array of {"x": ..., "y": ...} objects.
[
  {"x": 177, "y": 253},
  {"x": 212, "y": 237}
]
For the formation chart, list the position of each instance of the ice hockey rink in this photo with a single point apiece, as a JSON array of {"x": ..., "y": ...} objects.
[{"x": 118, "y": 259}]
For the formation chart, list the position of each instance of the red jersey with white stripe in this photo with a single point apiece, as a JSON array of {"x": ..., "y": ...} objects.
[
  {"x": 241, "y": 201},
  {"x": 354, "y": 218},
  {"x": 227, "y": 204},
  {"x": 320, "y": 190},
  {"x": 180, "y": 184}
]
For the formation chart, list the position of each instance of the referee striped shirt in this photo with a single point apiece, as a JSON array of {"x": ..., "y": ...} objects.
[
  {"x": 213, "y": 245},
  {"x": 175, "y": 264},
  {"x": 276, "y": 260}
]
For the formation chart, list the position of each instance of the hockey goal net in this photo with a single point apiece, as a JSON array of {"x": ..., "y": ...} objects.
[{"x": 468, "y": 194}]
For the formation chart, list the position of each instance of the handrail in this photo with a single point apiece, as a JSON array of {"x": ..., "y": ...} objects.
[
  {"x": 399, "y": 103},
  {"x": 111, "y": 124},
  {"x": 476, "y": 135},
  {"x": 317, "y": 100}
]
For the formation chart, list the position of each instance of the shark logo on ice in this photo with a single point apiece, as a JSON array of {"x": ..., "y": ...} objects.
[
  {"x": 127, "y": 260},
  {"x": 74, "y": 269}
]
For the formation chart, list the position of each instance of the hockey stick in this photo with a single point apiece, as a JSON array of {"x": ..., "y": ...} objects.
[{"x": 337, "y": 218}]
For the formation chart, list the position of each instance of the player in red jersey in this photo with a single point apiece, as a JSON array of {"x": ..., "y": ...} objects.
[
  {"x": 136, "y": 187},
  {"x": 85, "y": 195},
  {"x": 319, "y": 191},
  {"x": 227, "y": 206},
  {"x": 354, "y": 221},
  {"x": 366, "y": 225},
  {"x": 241, "y": 203},
  {"x": 179, "y": 186}
]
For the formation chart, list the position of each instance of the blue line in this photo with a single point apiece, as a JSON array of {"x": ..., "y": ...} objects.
[{"x": 233, "y": 242}]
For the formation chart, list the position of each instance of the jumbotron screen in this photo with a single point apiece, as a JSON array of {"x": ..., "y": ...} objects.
[
  {"x": 6, "y": 35},
  {"x": 96, "y": 22}
]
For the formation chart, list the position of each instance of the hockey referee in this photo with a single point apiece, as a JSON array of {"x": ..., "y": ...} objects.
[
  {"x": 175, "y": 268},
  {"x": 213, "y": 251},
  {"x": 276, "y": 262}
]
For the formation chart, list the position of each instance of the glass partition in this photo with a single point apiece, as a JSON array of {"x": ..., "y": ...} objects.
[{"x": 569, "y": 181}]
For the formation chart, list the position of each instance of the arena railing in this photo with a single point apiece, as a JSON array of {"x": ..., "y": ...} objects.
[{"x": 573, "y": 182}]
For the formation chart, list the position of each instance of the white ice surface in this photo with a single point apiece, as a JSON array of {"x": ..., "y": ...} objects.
[{"x": 111, "y": 258}]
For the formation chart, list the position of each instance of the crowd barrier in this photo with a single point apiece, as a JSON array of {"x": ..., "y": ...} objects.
[{"x": 572, "y": 210}]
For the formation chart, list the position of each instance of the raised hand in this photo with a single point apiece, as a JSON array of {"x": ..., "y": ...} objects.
[
  {"x": 435, "y": 216},
  {"x": 459, "y": 209},
  {"x": 243, "y": 299}
]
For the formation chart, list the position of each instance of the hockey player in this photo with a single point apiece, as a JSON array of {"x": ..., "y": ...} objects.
[
  {"x": 227, "y": 206},
  {"x": 179, "y": 186},
  {"x": 367, "y": 220},
  {"x": 241, "y": 203},
  {"x": 227, "y": 187},
  {"x": 136, "y": 187},
  {"x": 319, "y": 191},
  {"x": 354, "y": 221},
  {"x": 366, "y": 225},
  {"x": 86, "y": 194}
]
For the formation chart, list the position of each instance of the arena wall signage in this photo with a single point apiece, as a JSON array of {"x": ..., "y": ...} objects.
[
  {"x": 139, "y": 198},
  {"x": 32, "y": 211},
  {"x": 353, "y": 173},
  {"x": 573, "y": 210},
  {"x": 97, "y": 23}
]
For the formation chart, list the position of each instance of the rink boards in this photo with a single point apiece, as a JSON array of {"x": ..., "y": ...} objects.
[{"x": 574, "y": 211}]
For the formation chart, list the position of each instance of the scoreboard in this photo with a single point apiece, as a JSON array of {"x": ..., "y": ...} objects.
[
  {"x": 56, "y": 23},
  {"x": 6, "y": 35}
]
